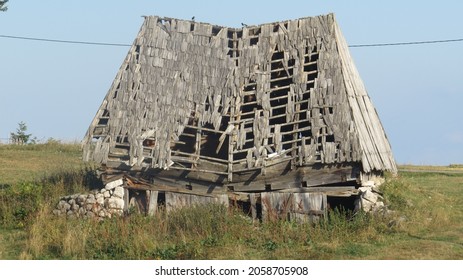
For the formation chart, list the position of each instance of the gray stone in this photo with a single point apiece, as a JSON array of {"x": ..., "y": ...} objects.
[
  {"x": 81, "y": 199},
  {"x": 62, "y": 205},
  {"x": 90, "y": 200},
  {"x": 82, "y": 211},
  {"x": 98, "y": 195},
  {"x": 100, "y": 200},
  {"x": 96, "y": 208},
  {"x": 57, "y": 212},
  {"x": 67, "y": 206},
  {"x": 115, "y": 203},
  {"x": 90, "y": 214},
  {"x": 113, "y": 184},
  {"x": 102, "y": 213},
  {"x": 75, "y": 207},
  {"x": 106, "y": 194},
  {"x": 368, "y": 184},
  {"x": 366, "y": 205},
  {"x": 91, "y": 196},
  {"x": 364, "y": 189},
  {"x": 89, "y": 207},
  {"x": 370, "y": 196},
  {"x": 118, "y": 192}
]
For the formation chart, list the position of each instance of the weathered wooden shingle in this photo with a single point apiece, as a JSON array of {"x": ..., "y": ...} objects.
[{"x": 196, "y": 97}]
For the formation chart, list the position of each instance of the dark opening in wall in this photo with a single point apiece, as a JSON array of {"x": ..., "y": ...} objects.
[
  {"x": 277, "y": 55},
  {"x": 253, "y": 41},
  {"x": 342, "y": 204},
  {"x": 230, "y": 44},
  {"x": 310, "y": 67},
  {"x": 137, "y": 52},
  {"x": 161, "y": 199},
  {"x": 329, "y": 138},
  {"x": 246, "y": 208},
  {"x": 137, "y": 201},
  {"x": 210, "y": 142},
  {"x": 230, "y": 34},
  {"x": 254, "y": 31},
  {"x": 122, "y": 139},
  {"x": 103, "y": 121},
  {"x": 311, "y": 76},
  {"x": 215, "y": 30}
]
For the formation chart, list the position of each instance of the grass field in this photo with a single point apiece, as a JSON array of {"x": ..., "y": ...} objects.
[{"x": 427, "y": 222}]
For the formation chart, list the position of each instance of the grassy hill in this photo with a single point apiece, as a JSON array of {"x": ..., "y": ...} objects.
[{"x": 426, "y": 223}]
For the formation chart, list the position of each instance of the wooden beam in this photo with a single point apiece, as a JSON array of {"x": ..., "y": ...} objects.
[{"x": 152, "y": 202}]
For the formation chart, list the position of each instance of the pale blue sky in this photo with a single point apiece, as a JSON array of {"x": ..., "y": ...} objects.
[{"x": 417, "y": 90}]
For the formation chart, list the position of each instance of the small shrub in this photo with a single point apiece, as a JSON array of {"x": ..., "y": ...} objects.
[
  {"x": 270, "y": 245},
  {"x": 19, "y": 203}
]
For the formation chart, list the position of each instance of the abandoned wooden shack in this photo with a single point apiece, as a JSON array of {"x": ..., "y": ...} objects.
[{"x": 273, "y": 116}]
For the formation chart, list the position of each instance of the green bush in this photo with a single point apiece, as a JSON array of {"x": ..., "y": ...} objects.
[{"x": 20, "y": 202}]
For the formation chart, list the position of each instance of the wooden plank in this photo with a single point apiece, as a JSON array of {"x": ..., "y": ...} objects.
[
  {"x": 152, "y": 197},
  {"x": 284, "y": 178},
  {"x": 275, "y": 205},
  {"x": 253, "y": 200},
  {"x": 375, "y": 148},
  {"x": 126, "y": 200},
  {"x": 298, "y": 206},
  {"x": 178, "y": 200}
]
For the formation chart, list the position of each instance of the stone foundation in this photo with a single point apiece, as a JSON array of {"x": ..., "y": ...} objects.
[
  {"x": 100, "y": 204},
  {"x": 370, "y": 198}
]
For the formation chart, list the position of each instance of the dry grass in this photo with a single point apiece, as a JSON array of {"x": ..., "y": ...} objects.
[
  {"x": 426, "y": 222},
  {"x": 31, "y": 162}
]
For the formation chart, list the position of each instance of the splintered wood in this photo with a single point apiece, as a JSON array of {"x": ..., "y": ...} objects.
[{"x": 251, "y": 109}]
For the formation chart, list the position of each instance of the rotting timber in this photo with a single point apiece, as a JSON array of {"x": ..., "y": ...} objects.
[{"x": 273, "y": 115}]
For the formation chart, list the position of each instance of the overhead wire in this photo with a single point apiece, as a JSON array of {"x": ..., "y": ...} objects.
[
  {"x": 127, "y": 45},
  {"x": 65, "y": 41},
  {"x": 405, "y": 43}
]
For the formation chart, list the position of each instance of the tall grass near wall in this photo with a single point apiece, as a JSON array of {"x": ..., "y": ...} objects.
[
  {"x": 425, "y": 222},
  {"x": 200, "y": 232}
]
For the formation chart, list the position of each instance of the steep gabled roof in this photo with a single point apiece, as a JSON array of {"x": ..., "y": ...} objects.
[{"x": 285, "y": 89}]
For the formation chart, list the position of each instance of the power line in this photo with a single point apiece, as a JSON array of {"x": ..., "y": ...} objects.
[
  {"x": 406, "y": 43},
  {"x": 127, "y": 45},
  {"x": 65, "y": 41}
]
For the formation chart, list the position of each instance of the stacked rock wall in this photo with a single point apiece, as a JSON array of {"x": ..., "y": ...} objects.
[
  {"x": 102, "y": 203},
  {"x": 370, "y": 198}
]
